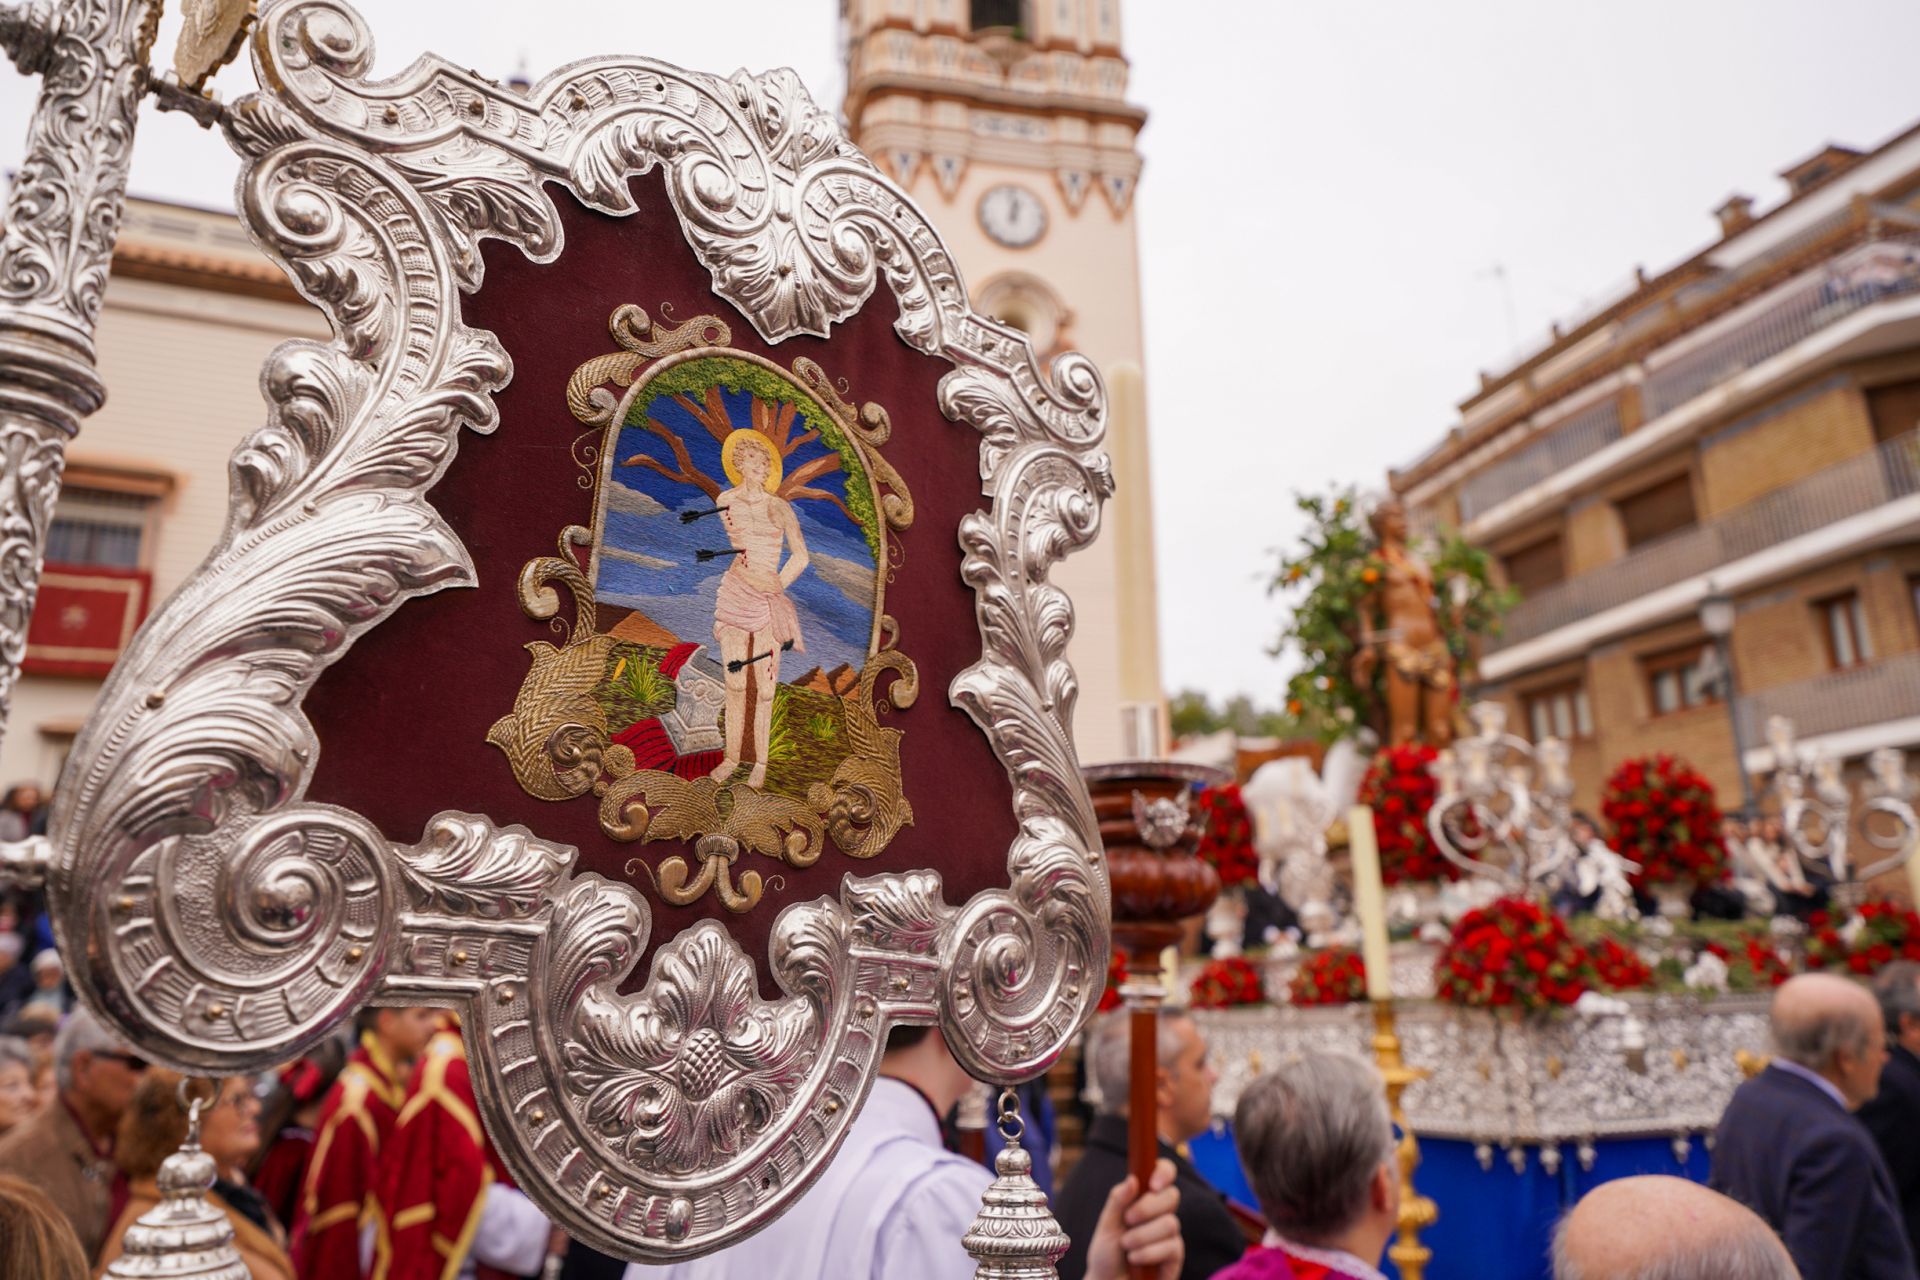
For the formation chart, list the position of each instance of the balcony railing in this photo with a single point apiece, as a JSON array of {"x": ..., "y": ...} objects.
[
  {"x": 1859, "y": 484},
  {"x": 1869, "y": 694},
  {"x": 1882, "y": 270},
  {"x": 1876, "y": 272},
  {"x": 1585, "y": 433}
]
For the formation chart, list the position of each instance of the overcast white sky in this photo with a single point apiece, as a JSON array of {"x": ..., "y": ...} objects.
[{"x": 1327, "y": 187}]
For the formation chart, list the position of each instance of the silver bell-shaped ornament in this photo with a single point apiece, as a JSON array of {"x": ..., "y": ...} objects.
[
  {"x": 1016, "y": 1236},
  {"x": 185, "y": 1236}
]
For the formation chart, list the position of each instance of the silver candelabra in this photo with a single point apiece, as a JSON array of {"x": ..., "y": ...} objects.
[
  {"x": 1504, "y": 806},
  {"x": 1823, "y": 826}
]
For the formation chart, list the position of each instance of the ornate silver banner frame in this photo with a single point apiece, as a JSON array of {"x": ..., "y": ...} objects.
[{"x": 224, "y": 922}]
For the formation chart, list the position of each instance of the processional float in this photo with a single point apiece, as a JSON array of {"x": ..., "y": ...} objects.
[{"x": 632, "y": 630}]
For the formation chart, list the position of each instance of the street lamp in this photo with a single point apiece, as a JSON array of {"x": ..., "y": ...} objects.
[{"x": 1716, "y": 619}]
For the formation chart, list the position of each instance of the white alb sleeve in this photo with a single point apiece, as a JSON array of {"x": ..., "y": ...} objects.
[
  {"x": 512, "y": 1234},
  {"x": 921, "y": 1237}
]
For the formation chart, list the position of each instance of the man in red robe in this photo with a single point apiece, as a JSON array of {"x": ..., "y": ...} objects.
[
  {"x": 444, "y": 1205},
  {"x": 355, "y": 1121}
]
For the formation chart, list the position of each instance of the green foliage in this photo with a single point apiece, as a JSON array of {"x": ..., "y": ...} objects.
[
  {"x": 633, "y": 688},
  {"x": 781, "y": 742},
  {"x": 640, "y": 680},
  {"x": 1329, "y": 578},
  {"x": 822, "y": 726},
  {"x": 695, "y": 376},
  {"x": 1191, "y": 713}
]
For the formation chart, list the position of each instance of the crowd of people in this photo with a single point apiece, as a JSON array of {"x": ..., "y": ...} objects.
[{"x": 365, "y": 1159}]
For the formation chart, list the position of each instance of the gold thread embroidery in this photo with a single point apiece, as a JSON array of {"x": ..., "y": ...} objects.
[{"x": 559, "y": 737}]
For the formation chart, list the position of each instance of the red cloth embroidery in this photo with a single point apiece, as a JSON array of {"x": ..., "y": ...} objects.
[
  {"x": 653, "y": 749},
  {"x": 676, "y": 658}
]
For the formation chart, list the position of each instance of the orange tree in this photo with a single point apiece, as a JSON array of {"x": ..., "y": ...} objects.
[{"x": 1325, "y": 577}]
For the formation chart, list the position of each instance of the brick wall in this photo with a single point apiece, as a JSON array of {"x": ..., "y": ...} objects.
[
  {"x": 1777, "y": 639},
  {"x": 1804, "y": 431},
  {"x": 1594, "y": 536}
]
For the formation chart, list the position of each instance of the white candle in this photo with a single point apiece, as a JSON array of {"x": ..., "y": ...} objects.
[{"x": 1370, "y": 902}]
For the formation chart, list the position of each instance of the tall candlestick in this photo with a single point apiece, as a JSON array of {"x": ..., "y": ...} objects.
[{"x": 1370, "y": 902}]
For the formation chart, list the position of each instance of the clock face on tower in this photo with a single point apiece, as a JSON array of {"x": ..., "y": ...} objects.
[{"x": 1013, "y": 215}]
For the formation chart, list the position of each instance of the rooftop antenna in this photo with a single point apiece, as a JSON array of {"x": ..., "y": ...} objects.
[{"x": 1498, "y": 272}]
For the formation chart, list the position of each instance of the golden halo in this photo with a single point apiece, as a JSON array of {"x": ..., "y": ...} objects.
[{"x": 730, "y": 449}]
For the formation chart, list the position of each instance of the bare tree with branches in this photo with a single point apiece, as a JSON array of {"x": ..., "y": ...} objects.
[{"x": 775, "y": 422}]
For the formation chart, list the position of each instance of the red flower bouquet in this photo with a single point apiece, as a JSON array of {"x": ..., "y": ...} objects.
[
  {"x": 1400, "y": 791},
  {"x": 1222, "y": 984},
  {"x": 1513, "y": 954},
  {"x": 1618, "y": 966},
  {"x": 1338, "y": 976},
  {"x": 1226, "y": 835},
  {"x": 1888, "y": 932},
  {"x": 1754, "y": 964},
  {"x": 1665, "y": 818},
  {"x": 1116, "y": 974}
]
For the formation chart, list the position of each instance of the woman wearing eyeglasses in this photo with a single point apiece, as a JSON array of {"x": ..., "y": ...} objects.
[{"x": 154, "y": 1127}]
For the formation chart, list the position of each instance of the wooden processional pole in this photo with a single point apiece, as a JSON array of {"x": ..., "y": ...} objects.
[{"x": 1145, "y": 812}]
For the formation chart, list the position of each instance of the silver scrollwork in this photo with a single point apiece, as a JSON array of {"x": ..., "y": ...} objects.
[
  {"x": 1503, "y": 805},
  {"x": 658, "y": 1122},
  {"x": 1820, "y": 822},
  {"x": 62, "y": 216}
]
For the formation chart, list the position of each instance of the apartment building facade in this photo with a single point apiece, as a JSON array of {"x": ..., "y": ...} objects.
[{"x": 1743, "y": 426}]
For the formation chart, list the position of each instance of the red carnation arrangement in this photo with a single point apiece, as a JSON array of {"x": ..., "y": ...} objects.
[
  {"x": 1618, "y": 966},
  {"x": 1116, "y": 974},
  {"x": 1226, "y": 835},
  {"x": 1338, "y": 976},
  {"x": 1664, "y": 816},
  {"x": 1755, "y": 965},
  {"x": 1399, "y": 790},
  {"x": 1222, "y": 984},
  {"x": 1513, "y": 954},
  {"x": 1888, "y": 932}
]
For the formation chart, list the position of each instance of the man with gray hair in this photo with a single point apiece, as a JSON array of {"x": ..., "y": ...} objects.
[
  {"x": 1663, "y": 1228},
  {"x": 1893, "y": 1117},
  {"x": 1317, "y": 1145},
  {"x": 1183, "y": 1109},
  {"x": 67, "y": 1149},
  {"x": 1789, "y": 1149}
]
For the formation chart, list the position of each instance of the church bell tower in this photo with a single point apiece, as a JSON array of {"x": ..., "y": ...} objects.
[{"x": 1008, "y": 122}]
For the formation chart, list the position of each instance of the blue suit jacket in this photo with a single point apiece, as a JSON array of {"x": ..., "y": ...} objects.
[
  {"x": 1893, "y": 1119},
  {"x": 1798, "y": 1159}
]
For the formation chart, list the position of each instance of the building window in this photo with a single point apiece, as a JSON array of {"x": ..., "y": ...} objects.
[
  {"x": 1536, "y": 566},
  {"x": 1844, "y": 621},
  {"x": 998, "y": 13},
  {"x": 101, "y": 528},
  {"x": 1559, "y": 712},
  {"x": 1657, "y": 511},
  {"x": 1895, "y": 409},
  {"x": 1676, "y": 680}
]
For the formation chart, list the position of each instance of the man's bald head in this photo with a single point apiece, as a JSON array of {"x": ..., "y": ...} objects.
[
  {"x": 1661, "y": 1228},
  {"x": 1834, "y": 1027}
]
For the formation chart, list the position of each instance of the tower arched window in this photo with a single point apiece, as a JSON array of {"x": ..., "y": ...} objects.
[{"x": 998, "y": 13}]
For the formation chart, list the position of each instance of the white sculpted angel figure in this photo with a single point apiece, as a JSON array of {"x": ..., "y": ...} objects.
[
  {"x": 1292, "y": 807},
  {"x": 753, "y": 620},
  {"x": 1597, "y": 869}
]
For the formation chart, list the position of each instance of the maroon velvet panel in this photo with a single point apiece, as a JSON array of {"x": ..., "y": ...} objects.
[{"x": 403, "y": 716}]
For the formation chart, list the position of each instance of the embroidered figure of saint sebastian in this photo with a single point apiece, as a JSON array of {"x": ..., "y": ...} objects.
[{"x": 753, "y": 619}]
